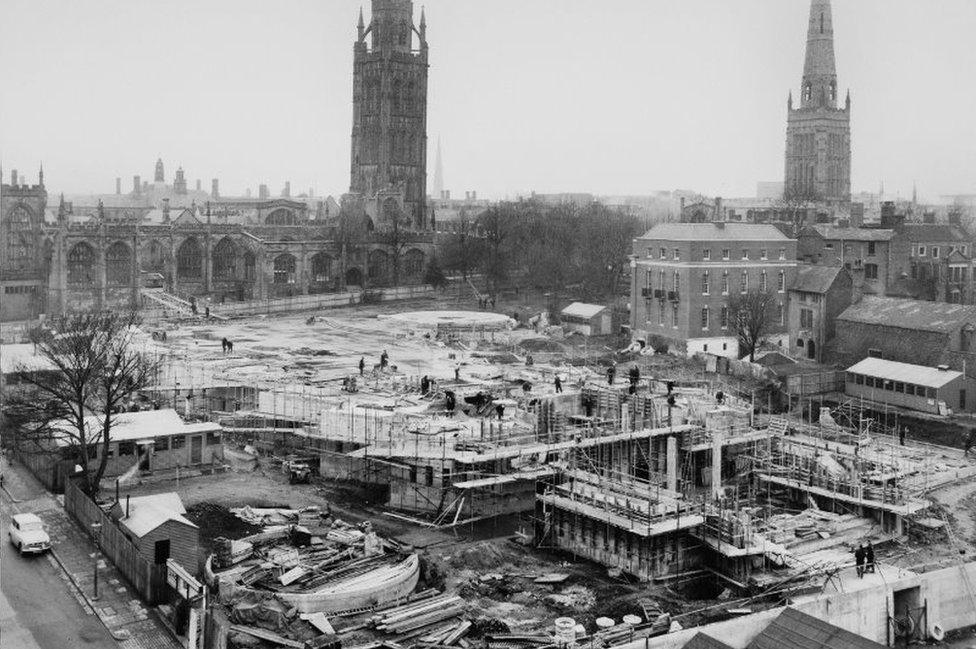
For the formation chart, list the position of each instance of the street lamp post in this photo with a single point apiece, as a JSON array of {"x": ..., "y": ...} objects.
[{"x": 95, "y": 528}]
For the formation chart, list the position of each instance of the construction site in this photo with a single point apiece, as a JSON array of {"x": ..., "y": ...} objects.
[{"x": 519, "y": 482}]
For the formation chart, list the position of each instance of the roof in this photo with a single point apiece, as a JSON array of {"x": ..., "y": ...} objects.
[
  {"x": 850, "y": 234},
  {"x": 145, "y": 424},
  {"x": 932, "y": 232},
  {"x": 940, "y": 317},
  {"x": 14, "y": 356},
  {"x": 930, "y": 377},
  {"x": 793, "y": 629},
  {"x": 702, "y": 641},
  {"x": 815, "y": 279},
  {"x": 146, "y": 513},
  {"x": 721, "y": 231},
  {"x": 582, "y": 310},
  {"x": 27, "y": 517}
]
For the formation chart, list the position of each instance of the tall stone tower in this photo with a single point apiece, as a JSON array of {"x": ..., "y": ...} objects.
[
  {"x": 389, "y": 129},
  {"x": 23, "y": 265},
  {"x": 818, "y": 133},
  {"x": 160, "y": 176}
]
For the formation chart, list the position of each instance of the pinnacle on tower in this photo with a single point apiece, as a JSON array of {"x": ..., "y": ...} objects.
[{"x": 40, "y": 175}]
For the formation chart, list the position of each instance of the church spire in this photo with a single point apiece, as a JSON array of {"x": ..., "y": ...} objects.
[
  {"x": 362, "y": 25},
  {"x": 819, "y": 86}
]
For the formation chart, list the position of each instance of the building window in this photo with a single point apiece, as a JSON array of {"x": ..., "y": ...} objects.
[
  {"x": 706, "y": 254},
  {"x": 859, "y": 379},
  {"x": 871, "y": 248},
  {"x": 664, "y": 253},
  {"x": 284, "y": 269},
  {"x": 81, "y": 265},
  {"x": 118, "y": 265},
  {"x": 661, "y": 314},
  {"x": 213, "y": 439},
  {"x": 677, "y": 254},
  {"x": 744, "y": 282},
  {"x": 782, "y": 253},
  {"x": 726, "y": 254},
  {"x": 725, "y": 317},
  {"x": 762, "y": 282},
  {"x": 20, "y": 239},
  {"x": 189, "y": 260},
  {"x": 921, "y": 251},
  {"x": 179, "y": 441},
  {"x": 161, "y": 444},
  {"x": 799, "y": 342},
  {"x": 870, "y": 271},
  {"x": 725, "y": 282},
  {"x": 674, "y": 315},
  {"x": 745, "y": 253},
  {"x": 704, "y": 284},
  {"x": 935, "y": 252},
  {"x": 677, "y": 281},
  {"x": 704, "y": 317},
  {"x": 874, "y": 353},
  {"x": 762, "y": 254},
  {"x": 806, "y": 319},
  {"x": 781, "y": 313},
  {"x": 127, "y": 448},
  {"x": 781, "y": 282}
]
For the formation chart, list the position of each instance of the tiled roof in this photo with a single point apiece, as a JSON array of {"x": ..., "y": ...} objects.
[
  {"x": 919, "y": 315},
  {"x": 722, "y": 231},
  {"x": 793, "y": 629},
  {"x": 850, "y": 234},
  {"x": 702, "y": 641},
  {"x": 815, "y": 279},
  {"x": 932, "y": 232}
]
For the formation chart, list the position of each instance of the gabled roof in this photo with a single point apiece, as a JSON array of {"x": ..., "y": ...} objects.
[
  {"x": 146, "y": 513},
  {"x": 793, "y": 629},
  {"x": 720, "y": 231},
  {"x": 702, "y": 641},
  {"x": 940, "y": 317},
  {"x": 582, "y": 310},
  {"x": 932, "y": 232},
  {"x": 816, "y": 279},
  {"x": 834, "y": 232},
  {"x": 879, "y": 368}
]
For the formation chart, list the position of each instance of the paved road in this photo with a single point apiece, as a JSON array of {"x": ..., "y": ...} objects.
[{"x": 37, "y": 607}]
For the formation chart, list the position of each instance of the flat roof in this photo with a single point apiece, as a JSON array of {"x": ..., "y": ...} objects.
[
  {"x": 930, "y": 377},
  {"x": 145, "y": 424},
  {"x": 583, "y": 310}
]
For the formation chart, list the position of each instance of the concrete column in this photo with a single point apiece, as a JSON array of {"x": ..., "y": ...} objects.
[
  {"x": 717, "y": 438},
  {"x": 672, "y": 463}
]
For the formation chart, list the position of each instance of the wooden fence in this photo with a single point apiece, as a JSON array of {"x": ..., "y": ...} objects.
[{"x": 147, "y": 578}]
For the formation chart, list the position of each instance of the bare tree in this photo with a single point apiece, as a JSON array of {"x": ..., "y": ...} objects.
[
  {"x": 750, "y": 316},
  {"x": 394, "y": 234},
  {"x": 794, "y": 206},
  {"x": 463, "y": 248},
  {"x": 96, "y": 369},
  {"x": 497, "y": 225}
]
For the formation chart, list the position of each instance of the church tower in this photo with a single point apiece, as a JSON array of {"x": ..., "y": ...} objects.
[
  {"x": 389, "y": 130},
  {"x": 818, "y": 132},
  {"x": 160, "y": 176}
]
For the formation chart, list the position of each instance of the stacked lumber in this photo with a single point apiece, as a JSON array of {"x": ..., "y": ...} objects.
[{"x": 427, "y": 618}]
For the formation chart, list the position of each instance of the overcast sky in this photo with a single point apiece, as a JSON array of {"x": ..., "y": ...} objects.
[{"x": 606, "y": 96}]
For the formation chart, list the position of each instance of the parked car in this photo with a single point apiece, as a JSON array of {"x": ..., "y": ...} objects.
[{"x": 27, "y": 533}]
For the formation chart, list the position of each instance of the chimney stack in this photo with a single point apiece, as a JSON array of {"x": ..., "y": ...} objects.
[
  {"x": 214, "y": 188},
  {"x": 118, "y": 186}
]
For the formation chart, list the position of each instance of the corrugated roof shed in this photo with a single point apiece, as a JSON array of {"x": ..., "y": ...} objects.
[
  {"x": 724, "y": 231},
  {"x": 940, "y": 317},
  {"x": 146, "y": 513},
  {"x": 851, "y": 234},
  {"x": 815, "y": 279},
  {"x": 702, "y": 641},
  {"x": 583, "y": 310},
  {"x": 793, "y": 629},
  {"x": 931, "y": 377}
]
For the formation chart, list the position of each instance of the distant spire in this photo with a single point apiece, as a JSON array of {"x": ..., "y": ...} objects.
[
  {"x": 362, "y": 25},
  {"x": 789, "y": 101},
  {"x": 62, "y": 209},
  {"x": 40, "y": 175},
  {"x": 819, "y": 85}
]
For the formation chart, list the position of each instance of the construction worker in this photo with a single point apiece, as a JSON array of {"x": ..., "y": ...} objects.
[
  {"x": 859, "y": 556},
  {"x": 611, "y": 373},
  {"x": 384, "y": 359},
  {"x": 869, "y": 557},
  {"x": 558, "y": 383},
  {"x": 457, "y": 371},
  {"x": 362, "y": 365}
]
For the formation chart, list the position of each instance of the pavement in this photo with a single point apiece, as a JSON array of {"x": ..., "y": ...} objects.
[{"x": 47, "y": 601}]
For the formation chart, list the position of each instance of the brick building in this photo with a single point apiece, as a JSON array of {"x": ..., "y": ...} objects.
[
  {"x": 684, "y": 273},
  {"x": 907, "y": 331},
  {"x": 816, "y": 298},
  {"x": 866, "y": 252}
]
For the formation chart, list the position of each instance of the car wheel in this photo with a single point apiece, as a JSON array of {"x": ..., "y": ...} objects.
[{"x": 20, "y": 548}]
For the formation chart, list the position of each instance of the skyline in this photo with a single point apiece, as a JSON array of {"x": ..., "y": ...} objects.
[{"x": 575, "y": 99}]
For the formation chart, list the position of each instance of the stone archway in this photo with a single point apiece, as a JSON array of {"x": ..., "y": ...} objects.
[{"x": 354, "y": 277}]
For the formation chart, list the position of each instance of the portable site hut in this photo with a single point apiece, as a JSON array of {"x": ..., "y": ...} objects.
[
  {"x": 587, "y": 319},
  {"x": 157, "y": 526},
  {"x": 916, "y": 387}
]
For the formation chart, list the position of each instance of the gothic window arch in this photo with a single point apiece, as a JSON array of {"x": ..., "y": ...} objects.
[
  {"x": 284, "y": 269},
  {"x": 81, "y": 266},
  {"x": 321, "y": 267},
  {"x": 413, "y": 263},
  {"x": 281, "y": 216},
  {"x": 189, "y": 260},
  {"x": 225, "y": 259},
  {"x": 155, "y": 259},
  {"x": 19, "y": 237},
  {"x": 833, "y": 91},
  {"x": 118, "y": 264},
  {"x": 377, "y": 266},
  {"x": 250, "y": 266}
]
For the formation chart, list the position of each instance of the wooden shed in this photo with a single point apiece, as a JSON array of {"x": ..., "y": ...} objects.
[
  {"x": 587, "y": 319},
  {"x": 157, "y": 525}
]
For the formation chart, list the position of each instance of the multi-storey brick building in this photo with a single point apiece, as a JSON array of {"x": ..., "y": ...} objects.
[
  {"x": 866, "y": 252},
  {"x": 684, "y": 273}
]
